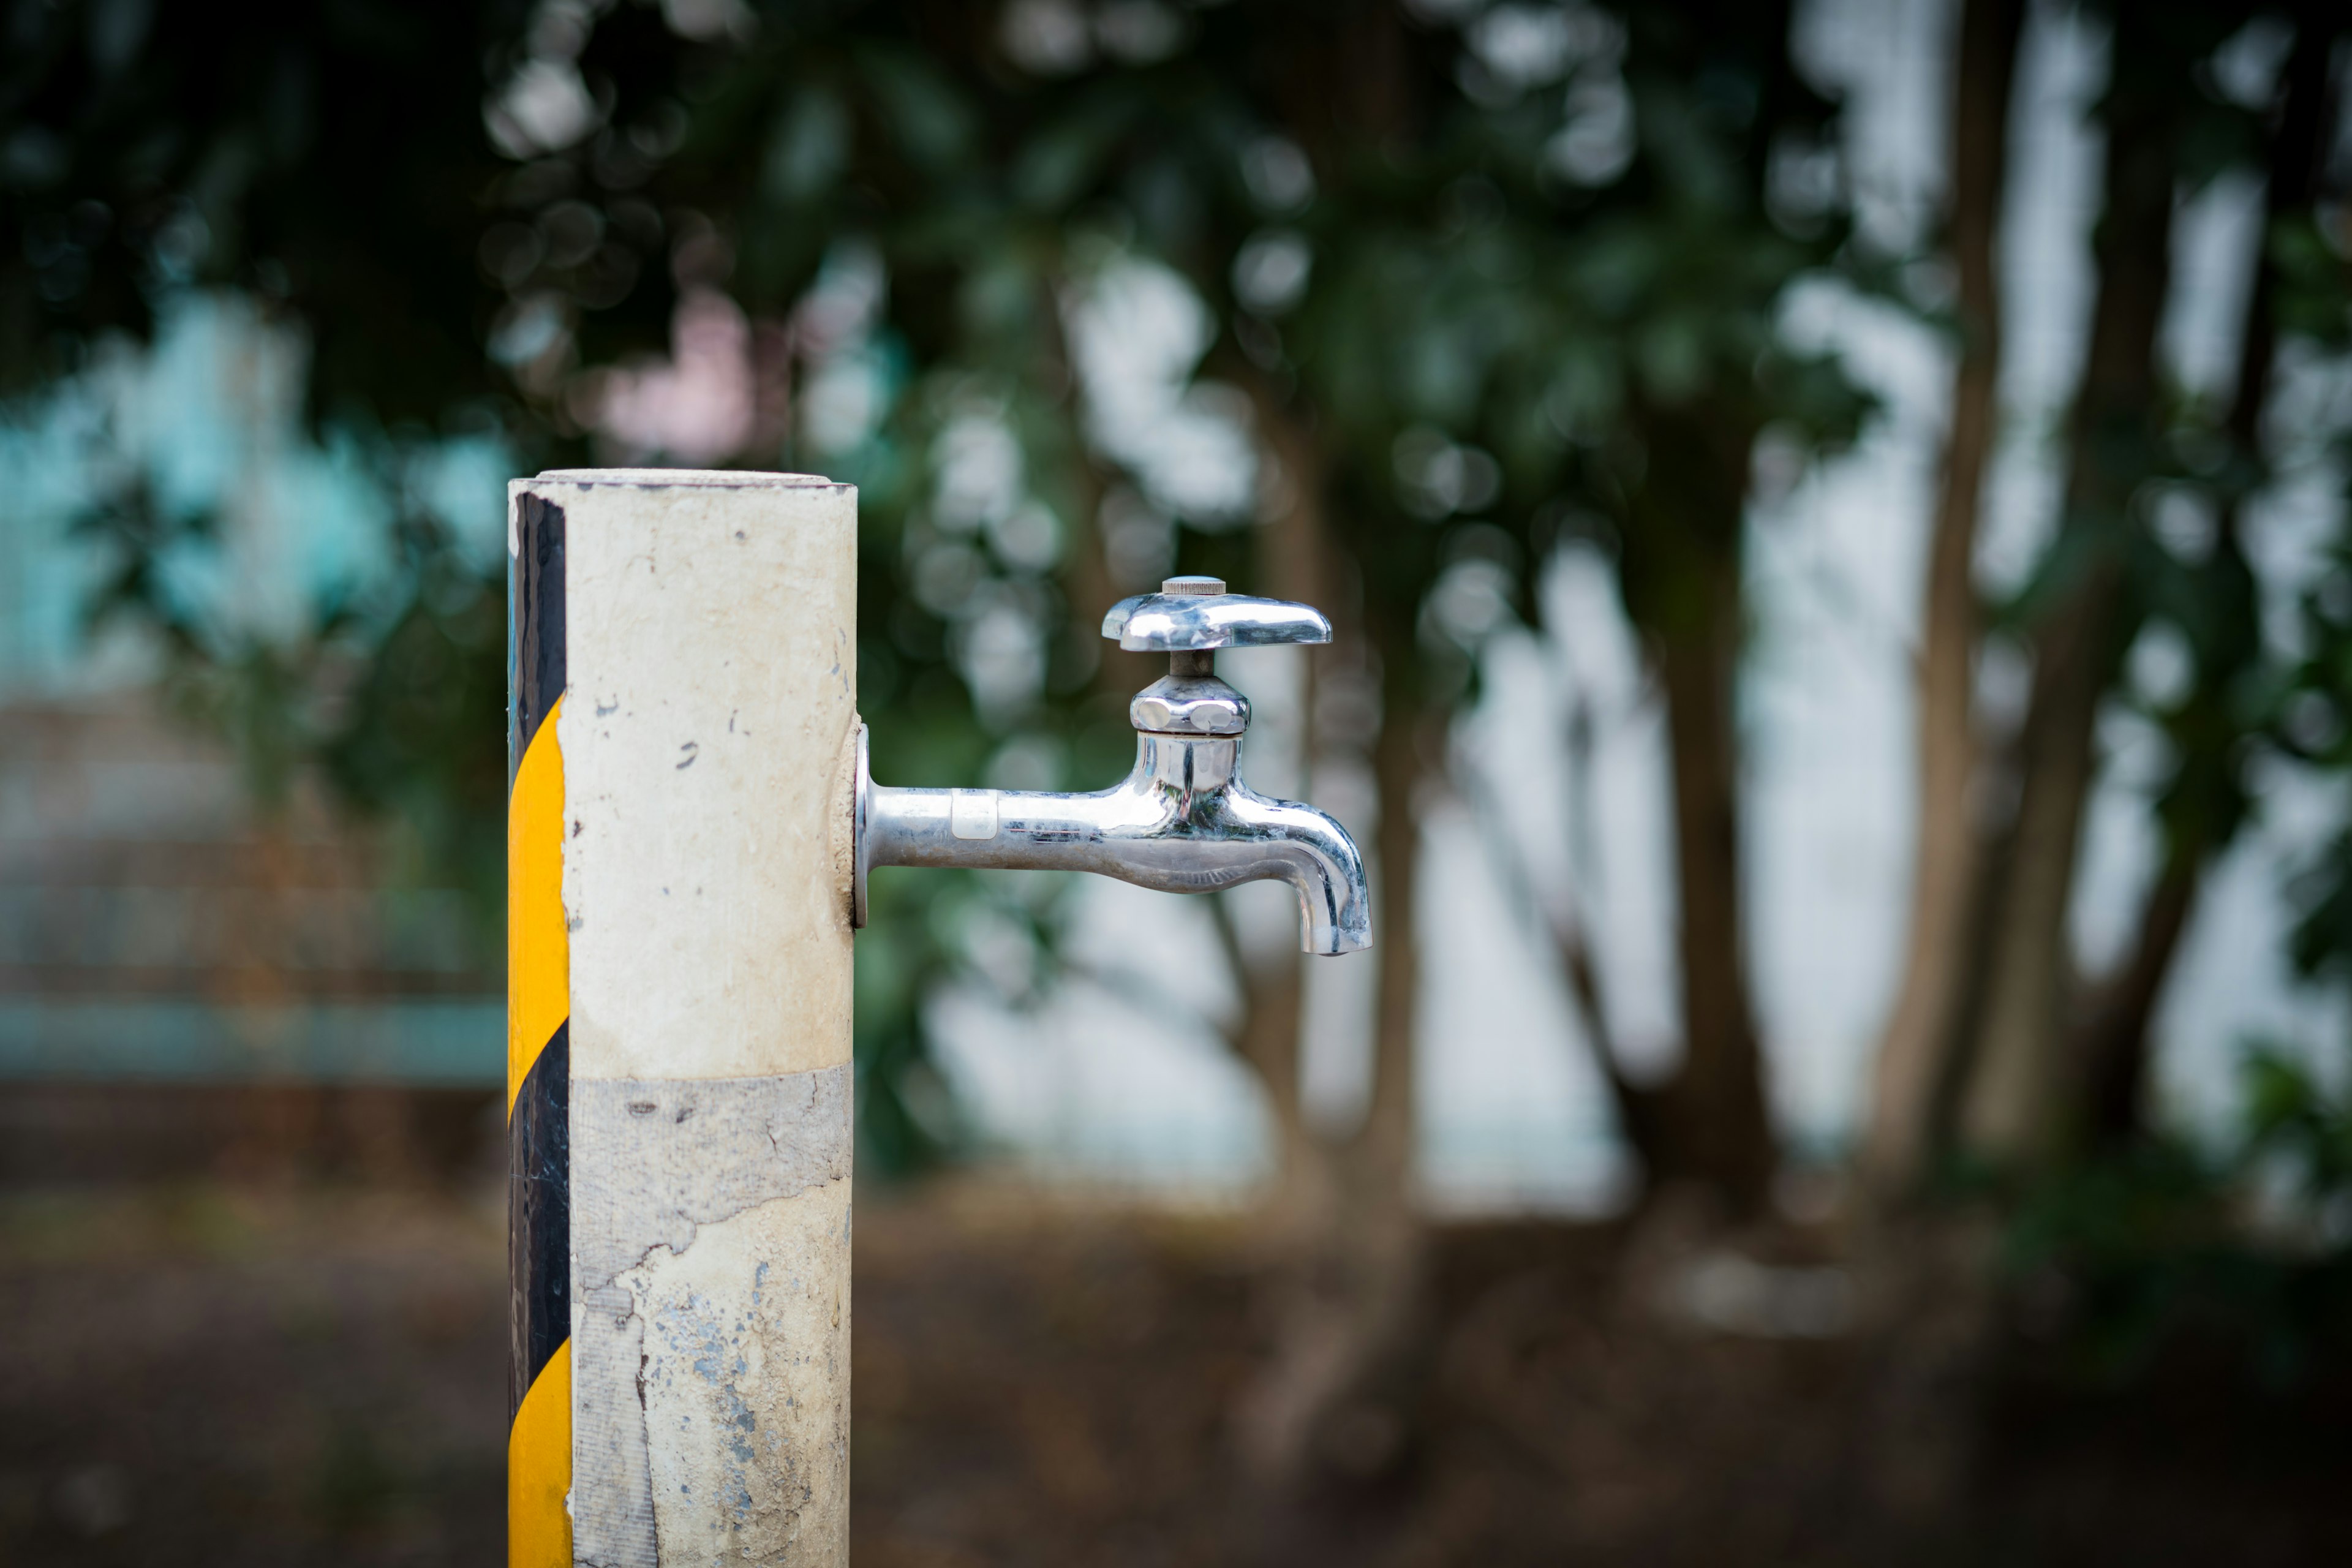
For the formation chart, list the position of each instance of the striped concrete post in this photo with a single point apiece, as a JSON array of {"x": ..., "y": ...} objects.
[{"x": 683, "y": 672}]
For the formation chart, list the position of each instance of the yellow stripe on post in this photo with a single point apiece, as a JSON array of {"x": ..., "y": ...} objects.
[
  {"x": 538, "y": 1469},
  {"x": 539, "y": 948}
]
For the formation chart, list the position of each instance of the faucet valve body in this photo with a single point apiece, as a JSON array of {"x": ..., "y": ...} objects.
[
  {"x": 1181, "y": 821},
  {"x": 1190, "y": 705}
]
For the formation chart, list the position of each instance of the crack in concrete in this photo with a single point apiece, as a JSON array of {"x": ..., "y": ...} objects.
[{"x": 654, "y": 1164}]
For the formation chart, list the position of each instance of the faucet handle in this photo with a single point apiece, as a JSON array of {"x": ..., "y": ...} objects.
[{"x": 1195, "y": 615}]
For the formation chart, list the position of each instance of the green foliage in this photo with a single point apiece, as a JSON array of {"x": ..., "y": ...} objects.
[
  {"x": 437, "y": 670},
  {"x": 327, "y": 158},
  {"x": 398, "y": 702},
  {"x": 2161, "y": 1244},
  {"x": 255, "y": 693},
  {"x": 2310, "y": 717},
  {"x": 1492, "y": 293},
  {"x": 2308, "y": 722}
]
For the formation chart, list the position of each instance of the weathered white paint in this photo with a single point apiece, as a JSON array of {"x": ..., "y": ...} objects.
[
  {"x": 713, "y": 674},
  {"x": 711, "y": 1319},
  {"x": 709, "y": 1354},
  {"x": 711, "y": 638}
]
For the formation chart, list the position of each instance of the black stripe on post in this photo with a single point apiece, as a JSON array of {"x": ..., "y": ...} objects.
[
  {"x": 539, "y": 1182},
  {"x": 539, "y": 1216},
  {"x": 535, "y": 672}
]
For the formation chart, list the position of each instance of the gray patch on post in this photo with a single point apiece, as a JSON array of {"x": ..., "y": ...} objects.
[{"x": 652, "y": 1162}]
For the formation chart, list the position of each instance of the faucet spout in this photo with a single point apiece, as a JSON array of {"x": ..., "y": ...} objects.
[
  {"x": 1181, "y": 822},
  {"x": 1307, "y": 849}
]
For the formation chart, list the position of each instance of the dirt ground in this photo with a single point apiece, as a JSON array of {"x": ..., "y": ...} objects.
[{"x": 198, "y": 1373}]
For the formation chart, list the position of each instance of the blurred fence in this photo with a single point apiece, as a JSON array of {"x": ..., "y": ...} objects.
[{"x": 180, "y": 983}]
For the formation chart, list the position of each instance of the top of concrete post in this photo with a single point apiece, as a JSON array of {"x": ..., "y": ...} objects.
[{"x": 664, "y": 478}]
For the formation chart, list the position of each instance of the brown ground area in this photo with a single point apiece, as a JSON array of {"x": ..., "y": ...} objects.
[{"x": 197, "y": 1373}]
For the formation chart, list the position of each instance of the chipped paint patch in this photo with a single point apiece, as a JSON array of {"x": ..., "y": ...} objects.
[
  {"x": 752, "y": 1396},
  {"x": 710, "y": 1380}
]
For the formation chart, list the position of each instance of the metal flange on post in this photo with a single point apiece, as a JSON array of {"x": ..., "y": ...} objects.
[{"x": 691, "y": 826}]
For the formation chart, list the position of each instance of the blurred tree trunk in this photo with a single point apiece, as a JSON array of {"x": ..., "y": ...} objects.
[
  {"x": 1680, "y": 506},
  {"x": 1640, "y": 1107},
  {"x": 2012, "y": 1111},
  {"x": 1919, "y": 1030},
  {"x": 1339, "y": 1398},
  {"x": 2207, "y": 802},
  {"x": 1681, "y": 573},
  {"x": 1293, "y": 551},
  {"x": 1336, "y": 1398}
]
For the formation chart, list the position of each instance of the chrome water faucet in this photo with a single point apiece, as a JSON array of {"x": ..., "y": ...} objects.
[{"x": 1181, "y": 821}]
